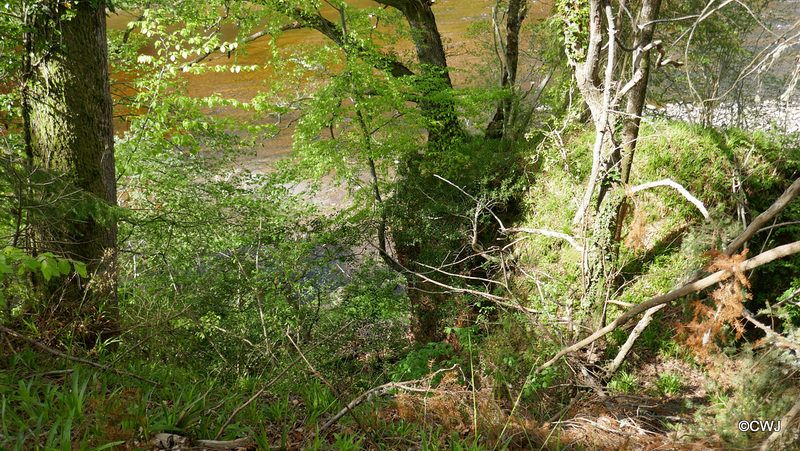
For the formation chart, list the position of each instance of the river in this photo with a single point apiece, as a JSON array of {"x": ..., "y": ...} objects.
[{"x": 453, "y": 19}]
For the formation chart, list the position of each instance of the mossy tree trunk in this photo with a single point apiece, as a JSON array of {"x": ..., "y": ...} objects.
[
  {"x": 614, "y": 150},
  {"x": 70, "y": 140}
]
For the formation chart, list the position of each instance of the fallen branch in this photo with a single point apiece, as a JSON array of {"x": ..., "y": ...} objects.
[
  {"x": 785, "y": 423},
  {"x": 367, "y": 394},
  {"x": 677, "y": 186},
  {"x": 563, "y": 236},
  {"x": 635, "y": 333},
  {"x": 791, "y": 192},
  {"x": 174, "y": 441},
  {"x": 58, "y": 353},
  {"x": 782, "y": 341},
  {"x": 697, "y": 285}
]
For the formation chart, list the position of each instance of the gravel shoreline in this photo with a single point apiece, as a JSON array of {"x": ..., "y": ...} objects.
[{"x": 768, "y": 116}]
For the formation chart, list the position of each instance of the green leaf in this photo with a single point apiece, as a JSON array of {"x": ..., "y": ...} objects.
[
  {"x": 49, "y": 269},
  {"x": 63, "y": 266},
  {"x": 80, "y": 268},
  {"x": 32, "y": 264}
]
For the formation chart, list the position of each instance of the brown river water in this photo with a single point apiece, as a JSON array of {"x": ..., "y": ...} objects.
[{"x": 453, "y": 19}]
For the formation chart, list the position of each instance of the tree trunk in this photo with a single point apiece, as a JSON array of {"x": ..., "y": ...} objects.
[
  {"x": 602, "y": 252},
  {"x": 437, "y": 102},
  {"x": 69, "y": 135},
  {"x": 517, "y": 10}
]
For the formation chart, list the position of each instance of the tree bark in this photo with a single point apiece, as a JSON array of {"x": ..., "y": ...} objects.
[
  {"x": 437, "y": 102},
  {"x": 517, "y": 10},
  {"x": 69, "y": 135},
  {"x": 603, "y": 100}
]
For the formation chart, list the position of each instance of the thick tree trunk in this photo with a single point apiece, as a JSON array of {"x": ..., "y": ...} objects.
[
  {"x": 437, "y": 102},
  {"x": 69, "y": 131}
]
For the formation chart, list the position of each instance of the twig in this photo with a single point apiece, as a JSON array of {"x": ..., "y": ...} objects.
[
  {"x": 252, "y": 37},
  {"x": 58, "y": 353},
  {"x": 364, "y": 429},
  {"x": 770, "y": 333},
  {"x": 269, "y": 384}
]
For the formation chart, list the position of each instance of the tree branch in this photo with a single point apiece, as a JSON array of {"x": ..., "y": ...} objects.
[
  {"x": 791, "y": 192},
  {"x": 58, "y": 353},
  {"x": 563, "y": 236},
  {"x": 697, "y": 285},
  {"x": 677, "y": 186}
]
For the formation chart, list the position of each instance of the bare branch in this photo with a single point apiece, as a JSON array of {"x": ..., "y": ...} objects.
[
  {"x": 252, "y": 37},
  {"x": 791, "y": 192},
  {"x": 785, "y": 421},
  {"x": 270, "y": 383},
  {"x": 58, "y": 353},
  {"x": 544, "y": 232},
  {"x": 677, "y": 186},
  {"x": 782, "y": 341},
  {"x": 382, "y": 388}
]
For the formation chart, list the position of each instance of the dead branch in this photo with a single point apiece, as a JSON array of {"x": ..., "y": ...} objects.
[
  {"x": 697, "y": 285},
  {"x": 563, "y": 236},
  {"x": 785, "y": 422},
  {"x": 174, "y": 441},
  {"x": 782, "y": 341},
  {"x": 58, "y": 353},
  {"x": 635, "y": 334},
  {"x": 791, "y": 192},
  {"x": 677, "y": 186},
  {"x": 382, "y": 388}
]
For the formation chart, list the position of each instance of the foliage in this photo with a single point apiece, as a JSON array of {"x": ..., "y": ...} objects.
[
  {"x": 716, "y": 52},
  {"x": 223, "y": 271},
  {"x": 669, "y": 384}
]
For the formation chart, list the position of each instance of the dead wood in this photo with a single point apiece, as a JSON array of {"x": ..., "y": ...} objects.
[
  {"x": 697, "y": 285},
  {"x": 791, "y": 192}
]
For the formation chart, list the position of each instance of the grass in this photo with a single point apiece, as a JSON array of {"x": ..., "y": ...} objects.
[{"x": 669, "y": 384}]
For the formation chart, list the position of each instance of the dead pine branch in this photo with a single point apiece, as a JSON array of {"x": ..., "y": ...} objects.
[{"x": 697, "y": 285}]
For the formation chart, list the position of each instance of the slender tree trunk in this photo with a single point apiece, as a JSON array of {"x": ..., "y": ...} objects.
[
  {"x": 517, "y": 10},
  {"x": 606, "y": 232},
  {"x": 69, "y": 135}
]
